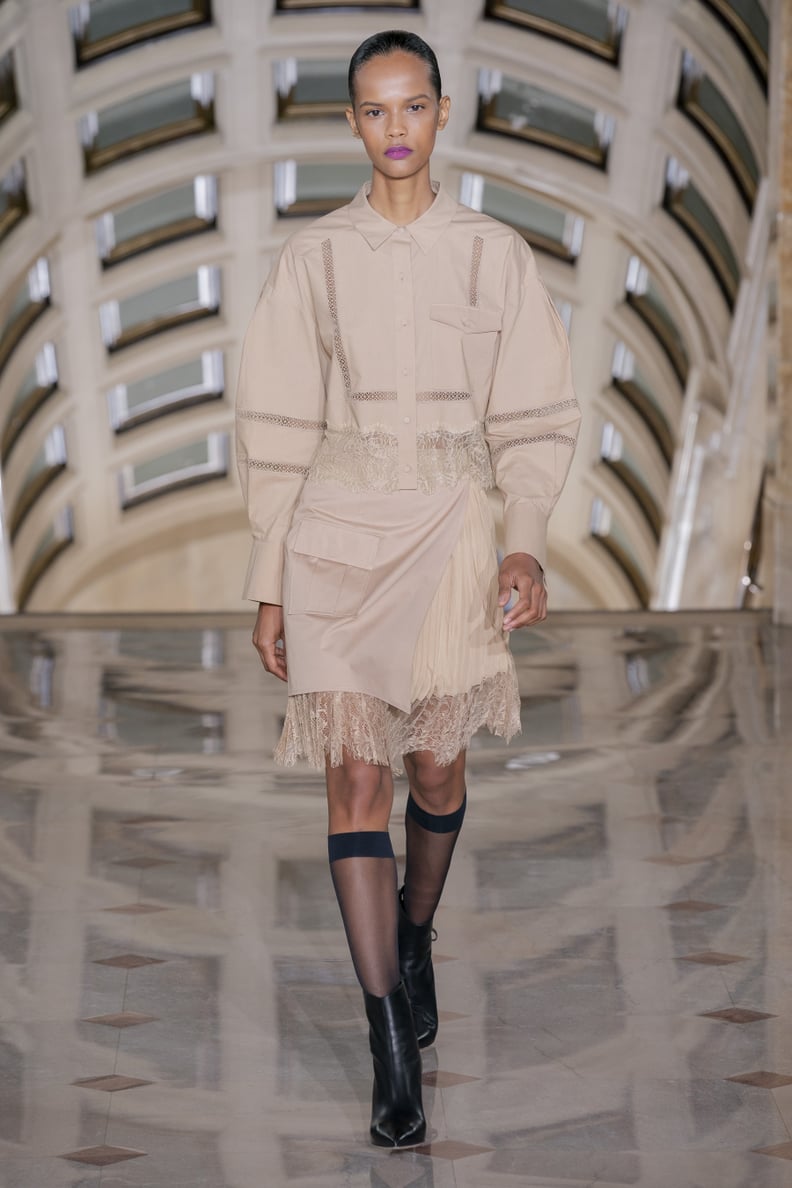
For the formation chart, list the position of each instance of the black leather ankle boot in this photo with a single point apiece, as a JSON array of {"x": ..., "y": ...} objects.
[
  {"x": 415, "y": 966},
  {"x": 397, "y": 1117}
]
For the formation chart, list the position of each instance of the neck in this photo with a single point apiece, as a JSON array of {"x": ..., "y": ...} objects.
[{"x": 401, "y": 200}]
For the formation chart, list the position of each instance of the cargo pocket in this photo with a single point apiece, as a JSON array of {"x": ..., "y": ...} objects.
[{"x": 330, "y": 568}]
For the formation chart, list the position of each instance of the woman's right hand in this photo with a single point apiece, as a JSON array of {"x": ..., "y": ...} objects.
[{"x": 267, "y": 634}]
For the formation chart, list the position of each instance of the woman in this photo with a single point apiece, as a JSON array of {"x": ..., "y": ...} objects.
[{"x": 402, "y": 359}]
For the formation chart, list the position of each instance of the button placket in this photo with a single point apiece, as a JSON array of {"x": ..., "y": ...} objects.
[{"x": 407, "y": 446}]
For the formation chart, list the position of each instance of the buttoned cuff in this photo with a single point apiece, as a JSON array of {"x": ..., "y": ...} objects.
[
  {"x": 525, "y": 530},
  {"x": 264, "y": 581}
]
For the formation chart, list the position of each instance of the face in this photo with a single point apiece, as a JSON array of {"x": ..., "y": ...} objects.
[{"x": 397, "y": 114}]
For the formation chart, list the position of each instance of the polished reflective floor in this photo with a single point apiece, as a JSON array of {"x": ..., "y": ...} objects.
[{"x": 615, "y": 944}]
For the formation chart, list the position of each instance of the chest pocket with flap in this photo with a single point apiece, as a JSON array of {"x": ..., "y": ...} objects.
[
  {"x": 466, "y": 334},
  {"x": 330, "y": 568}
]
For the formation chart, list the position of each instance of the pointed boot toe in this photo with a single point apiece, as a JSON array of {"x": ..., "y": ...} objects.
[{"x": 397, "y": 1117}]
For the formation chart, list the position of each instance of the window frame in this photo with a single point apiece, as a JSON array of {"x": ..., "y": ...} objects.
[
  {"x": 691, "y": 74},
  {"x": 611, "y": 457},
  {"x": 14, "y": 183},
  {"x": 604, "y": 125},
  {"x": 677, "y": 181},
  {"x": 112, "y": 253},
  {"x": 472, "y": 193},
  {"x": 46, "y": 366},
  {"x": 635, "y": 286},
  {"x": 40, "y": 294},
  {"x": 751, "y": 49},
  {"x": 86, "y": 53},
  {"x": 282, "y": 6},
  {"x": 289, "y": 206},
  {"x": 132, "y": 494},
  {"x": 200, "y": 123},
  {"x": 45, "y": 555},
  {"x": 500, "y": 10},
  {"x": 117, "y": 339},
  {"x": 651, "y": 414},
  {"x": 213, "y": 388},
  {"x": 286, "y": 80},
  {"x": 600, "y": 533},
  {"x": 34, "y": 487}
]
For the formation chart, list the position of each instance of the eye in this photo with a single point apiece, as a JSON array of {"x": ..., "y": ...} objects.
[
  {"x": 373, "y": 111},
  {"x": 416, "y": 107}
]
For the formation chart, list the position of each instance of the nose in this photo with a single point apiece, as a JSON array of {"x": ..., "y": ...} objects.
[{"x": 395, "y": 126}]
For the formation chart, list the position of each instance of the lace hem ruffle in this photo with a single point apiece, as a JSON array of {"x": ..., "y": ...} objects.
[{"x": 323, "y": 725}]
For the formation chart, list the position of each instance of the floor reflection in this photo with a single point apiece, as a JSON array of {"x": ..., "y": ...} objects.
[{"x": 176, "y": 1003}]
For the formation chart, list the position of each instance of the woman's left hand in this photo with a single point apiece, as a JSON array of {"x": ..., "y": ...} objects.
[{"x": 523, "y": 573}]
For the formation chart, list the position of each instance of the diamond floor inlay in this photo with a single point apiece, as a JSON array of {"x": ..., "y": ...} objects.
[
  {"x": 102, "y": 1156},
  {"x": 440, "y": 1079},
  {"x": 111, "y": 1084},
  {"x": 451, "y": 1149},
  {"x": 780, "y": 1150},
  {"x": 122, "y": 1019},
  {"x": 129, "y": 961},
  {"x": 712, "y": 958},
  {"x": 136, "y": 909},
  {"x": 737, "y": 1015},
  {"x": 692, "y": 905},
  {"x": 762, "y": 1080}
]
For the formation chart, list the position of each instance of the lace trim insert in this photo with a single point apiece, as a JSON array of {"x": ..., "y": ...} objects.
[
  {"x": 332, "y": 301},
  {"x": 475, "y": 265},
  {"x": 522, "y": 413},
  {"x": 561, "y": 438},
  {"x": 277, "y": 467},
  {"x": 436, "y": 394},
  {"x": 367, "y": 459},
  {"x": 250, "y": 414},
  {"x": 327, "y": 724}
]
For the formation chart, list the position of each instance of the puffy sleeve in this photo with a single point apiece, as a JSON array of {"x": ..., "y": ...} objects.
[
  {"x": 279, "y": 417},
  {"x": 532, "y": 415}
]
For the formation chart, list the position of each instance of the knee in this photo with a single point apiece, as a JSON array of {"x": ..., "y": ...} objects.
[
  {"x": 359, "y": 796},
  {"x": 437, "y": 789}
]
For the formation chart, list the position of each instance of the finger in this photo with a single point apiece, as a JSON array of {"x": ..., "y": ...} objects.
[
  {"x": 529, "y": 608},
  {"x": 504, "y": 588}
]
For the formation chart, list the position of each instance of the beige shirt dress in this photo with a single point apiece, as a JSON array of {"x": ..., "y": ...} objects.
[{"x": 390, "y": 377}]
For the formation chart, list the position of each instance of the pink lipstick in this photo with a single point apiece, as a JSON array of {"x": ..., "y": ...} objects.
[{"x": 397, "y": 153}]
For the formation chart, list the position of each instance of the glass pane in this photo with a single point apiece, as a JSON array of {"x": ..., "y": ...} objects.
[
  {"x": 520, "y": 109},
  {"x": 184, "y": 108},
  {"x": 311, "y": 88},
  {"x": 610, "y": 534},
  {"x": 747, "y": 21},
  {"x": 631, "y": 382},
  {"x": 619, "y": 458},
  {"x": 13, "y": 199},
  {"x": 295, "y": 5},
  {"x": 548, "y": 228},
  {"x": 645, "y": 297},
  {"x": 592, "y": 25},
  {"x": 9, "y": 101},
  {"x": 37, "y": 385},
  {"x": 47, "y": 464},
  {"x": 194, "y": 462},
  {"x": 51, "y": 544},
  {"x": 688, "y": 206},
  {"x": 172, "y": 303},
  {"x": 306, "y": 188},
  {"x": 177, "y": 387},
  {"x": 169, "y": 215},
  {"x": 706, "y": 105},
  {"x": 28, "y": 302},
  {"x": 101, "y": 27}
]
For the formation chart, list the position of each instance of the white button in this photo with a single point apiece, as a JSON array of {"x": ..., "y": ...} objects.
[
  {"x": 406, "y": 420},
  {"x": 407, "y": 469},
  {"x": 404, "y": 371},
  {"x": 466, "y": 322},
  {"x": 401, "y": 276},
  {"x": 405, "y": 323}
]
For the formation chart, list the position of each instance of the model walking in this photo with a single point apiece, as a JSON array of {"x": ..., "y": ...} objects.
[{"x": 403, "y": 358}]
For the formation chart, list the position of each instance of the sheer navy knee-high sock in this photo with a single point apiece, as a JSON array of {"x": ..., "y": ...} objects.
[
  {"x": 363, "y": 868},
  {"x": 430, "y": 846}
]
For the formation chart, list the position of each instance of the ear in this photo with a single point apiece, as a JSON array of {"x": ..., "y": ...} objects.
[
  {"x": 444, "y": 112},
  {"x": 349, "y": 112}
]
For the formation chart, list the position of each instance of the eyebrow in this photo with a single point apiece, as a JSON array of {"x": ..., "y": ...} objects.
[{"x": 371, "y": 103}]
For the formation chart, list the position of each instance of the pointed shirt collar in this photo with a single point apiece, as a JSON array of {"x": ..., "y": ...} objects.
[{"x": 425, "y": 230}]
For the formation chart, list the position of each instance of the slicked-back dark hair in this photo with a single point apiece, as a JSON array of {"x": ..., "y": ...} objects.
[{"x": 389, "y": 42}]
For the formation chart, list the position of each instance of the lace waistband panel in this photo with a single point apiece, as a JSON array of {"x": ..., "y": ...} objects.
[{"x": 367, "y": 459}]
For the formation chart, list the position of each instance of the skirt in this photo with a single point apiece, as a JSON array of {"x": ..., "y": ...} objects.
[{"x": 462, "y": 677}]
